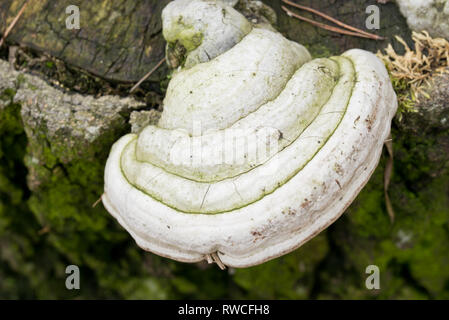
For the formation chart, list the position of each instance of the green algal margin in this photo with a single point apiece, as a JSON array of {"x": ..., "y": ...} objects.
[
  {"x": 201, "y": 179},
  {"x": 181, "y": 40},
  {"x": 266, "y": 193}
]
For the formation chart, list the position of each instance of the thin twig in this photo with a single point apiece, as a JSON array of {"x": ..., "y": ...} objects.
[
  {"x": 338, "y": 22},
  {"x": 322, "y": 25},
  {"x": 331, "y": 28},
  {"x": 44, "y": 230},
  {"x": 98, "y": 201},
  {"x": 209, "y": 259},
  {"x": 387, "y": 177},
  {"x": 145, "y": 77},
  {"x": 13, "y": 23},
  {"x": 218, "y": 261}
]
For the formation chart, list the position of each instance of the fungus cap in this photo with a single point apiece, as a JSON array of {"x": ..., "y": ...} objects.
[{"x": 257, "y": 150}]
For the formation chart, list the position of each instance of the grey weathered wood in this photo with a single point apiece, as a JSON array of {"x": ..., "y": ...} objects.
[{"x": 118, "y": 40}]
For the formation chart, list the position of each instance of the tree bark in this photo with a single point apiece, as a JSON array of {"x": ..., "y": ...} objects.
[{"x": 118, "y": 40}]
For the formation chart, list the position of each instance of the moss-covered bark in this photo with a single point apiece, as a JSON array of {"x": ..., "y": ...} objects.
[{"x": 53, "y": 151}]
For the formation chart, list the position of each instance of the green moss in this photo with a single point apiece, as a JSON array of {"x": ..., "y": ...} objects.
[
  {"x": 23, "y": 254},
  {"x": 288, "y": 277},
  {"x": 406, "y": 96},
  {"x": 43, "y": 231},
  {"x": 6, "y": 96},
  {"x": 12, "y": 151},
  {"x": 412, "y": 252}
]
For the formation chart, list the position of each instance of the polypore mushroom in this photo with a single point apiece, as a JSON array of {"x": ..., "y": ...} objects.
[{"x": 258, "y": 149}]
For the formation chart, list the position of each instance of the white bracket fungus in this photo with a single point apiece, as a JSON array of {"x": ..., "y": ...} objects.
[{"x": 258, "y": 149}]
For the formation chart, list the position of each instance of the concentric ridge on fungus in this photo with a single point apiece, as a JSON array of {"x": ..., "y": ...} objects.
[{"x": 323, "y": 122}]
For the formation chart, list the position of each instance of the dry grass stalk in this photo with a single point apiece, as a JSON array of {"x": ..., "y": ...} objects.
[
  {"x": 412, "y": 71},
  {"x": 145, "y": 77}
]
